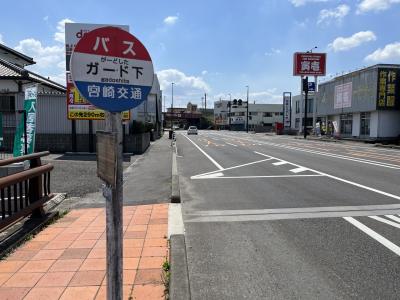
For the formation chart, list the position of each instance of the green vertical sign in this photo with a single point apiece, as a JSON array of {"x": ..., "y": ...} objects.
[
  {"x": 30, "y": 109},
  {"x": 1, "y": 129}
]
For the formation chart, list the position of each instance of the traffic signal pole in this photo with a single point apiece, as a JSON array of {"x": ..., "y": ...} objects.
[{"x": 305, "y": 89}]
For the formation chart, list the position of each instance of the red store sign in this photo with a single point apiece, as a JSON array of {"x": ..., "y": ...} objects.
[{"x": 309, "y": 64}]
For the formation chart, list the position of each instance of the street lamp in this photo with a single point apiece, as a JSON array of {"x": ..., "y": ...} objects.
[
  {"x": 247, "y": 115},
  {"x": 311, "y": 50}
]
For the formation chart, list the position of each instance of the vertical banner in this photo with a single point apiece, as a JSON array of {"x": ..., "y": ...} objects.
[
  {"x": 388, "y": 90},
  {"x": 287, "y": 108},
  {"x": 30, "y": 110}
]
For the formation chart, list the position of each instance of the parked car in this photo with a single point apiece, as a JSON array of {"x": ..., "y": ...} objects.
[{"x": 192, "y": 130}]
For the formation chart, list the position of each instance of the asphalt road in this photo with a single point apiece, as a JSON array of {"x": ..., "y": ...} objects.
[{"x": 274, "y": 217}]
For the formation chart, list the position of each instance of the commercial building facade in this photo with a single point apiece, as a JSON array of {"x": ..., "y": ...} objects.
[
  {"x": 262, "y": 117},
  {"x": 364, "y": 104}
]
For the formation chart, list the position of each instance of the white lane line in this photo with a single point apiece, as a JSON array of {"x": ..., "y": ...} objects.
[
  {"x": 360, "y": 160},
  {"x": 280, "y": 163},
  {"x": 231, "y": 144},
  {"x": 230, "y": 168},
  {"x": 394, "y": 224},
  {"x": 213, "y": 176},
  {"x": 342, "y": 180},
  {"x": 206, "y": 155},
  {"x": 394, "y": 218},
  {"x": 298, "y": 170},
  {"x": 376, "y": 236}
]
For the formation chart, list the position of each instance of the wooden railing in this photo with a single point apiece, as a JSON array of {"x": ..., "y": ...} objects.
[{"x": 24, "y": 193}]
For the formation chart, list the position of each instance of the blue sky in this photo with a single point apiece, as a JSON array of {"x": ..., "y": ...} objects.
[{"x": 221, "y": 46}]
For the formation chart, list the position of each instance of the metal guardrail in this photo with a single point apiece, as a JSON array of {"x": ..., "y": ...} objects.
[{"x": 24, "y": 193}]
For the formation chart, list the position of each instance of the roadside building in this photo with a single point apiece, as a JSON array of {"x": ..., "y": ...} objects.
[
  {"x": 298, "y": 108},
  {"x": 183, "y": 116},
  {"x": 54, "y": 132},
  {"x": 262, "y": 117},
  {"x": 221, "y": 114},
  {"x": 364, "y": 104}
]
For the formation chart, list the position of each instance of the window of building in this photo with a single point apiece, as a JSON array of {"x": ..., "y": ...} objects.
[
  {"x": 365, "y": 123},
  {"x": 241, "y": 113},
  {"x": 297, "y": 123},
  {"x": 7, "y": 103},
  {"x": 250, "y": 117},
  {"x": 267, "y": 114},
  {"x": 346, "y": 124},
  {"x": 297, "y": 107}
]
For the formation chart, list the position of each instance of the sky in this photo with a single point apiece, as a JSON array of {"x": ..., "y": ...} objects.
[{"x": 217, "y": 47}]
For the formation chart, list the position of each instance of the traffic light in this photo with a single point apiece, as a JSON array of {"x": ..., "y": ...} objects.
[
  {"x": 240, "y": 102},
  {"x": 305, "y": 85}
]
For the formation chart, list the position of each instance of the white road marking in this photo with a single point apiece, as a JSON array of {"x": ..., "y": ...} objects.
[
  {"x": 376, "y": 236},
  {"x": 342, "y": 180},
  {"x": 298, "y": 170},
  {"x": 230, "y": 168},
  {"x": 212, "y": 176},
  {"x": 231, "y": 144},
  {"x": 394, "y": 224},
  {"x": 206, "y": 155},
  {"x": 369, "y": 209},
  {"x": 394, "y": 218},
  {"x": 279, "y": 163},
  {"x": 361, "y": 160}
]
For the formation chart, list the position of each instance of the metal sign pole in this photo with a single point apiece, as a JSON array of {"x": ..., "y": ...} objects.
[{"x": 114, "y": 196}]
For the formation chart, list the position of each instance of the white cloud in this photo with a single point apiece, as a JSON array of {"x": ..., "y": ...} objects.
[
  {"x": 45, "y": 56},
  {"x": 186, "y": 88},
  {"x": 273, "y": 52},
  {"x": 59, "y": 35},
  {"x": 390, "y": 53},
  {"x": 204, "y": 72},
  {"x": 50, "y": 60},
  {"x": 343, "y": 43},
  {"x": 298, "y": 3},
  {"x": 336, "y": 14},
  {"x": 170, "y": 20},
  {"x": 375, "y": 5},
  {"x": 45, "y": 18},
  {"x": 1, "y": 39}
]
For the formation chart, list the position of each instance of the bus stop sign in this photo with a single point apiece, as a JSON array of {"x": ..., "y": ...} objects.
[{"x": 112, "y": 69}]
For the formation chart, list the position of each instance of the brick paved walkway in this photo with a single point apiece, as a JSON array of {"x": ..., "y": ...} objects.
[{"x": 67, "y": 259}]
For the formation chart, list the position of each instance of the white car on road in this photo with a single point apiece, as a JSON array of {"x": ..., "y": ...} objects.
[{"x": 192, "y": 130}]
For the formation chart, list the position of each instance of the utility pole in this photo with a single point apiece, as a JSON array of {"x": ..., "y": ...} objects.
[
  {"x": 247, "y": 115},
  {"x": 205, "y": 101}
]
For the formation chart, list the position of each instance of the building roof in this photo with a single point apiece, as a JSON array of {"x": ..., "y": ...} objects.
[
  {"x": 11, "y": 71},
  {"x": 352, "y": 73},
  {"x": 18, "y": 55}
]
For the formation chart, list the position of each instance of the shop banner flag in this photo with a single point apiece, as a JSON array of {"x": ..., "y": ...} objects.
[{"x": 30, "y": 109}]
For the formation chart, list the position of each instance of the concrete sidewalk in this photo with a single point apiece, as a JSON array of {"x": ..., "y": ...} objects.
[
  {"x": 67, "y": 259},
  {"x": 147, "y": 180}
]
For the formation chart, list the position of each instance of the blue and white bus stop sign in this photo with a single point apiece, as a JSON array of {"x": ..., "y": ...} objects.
[{"x": 112, "y": 69}]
